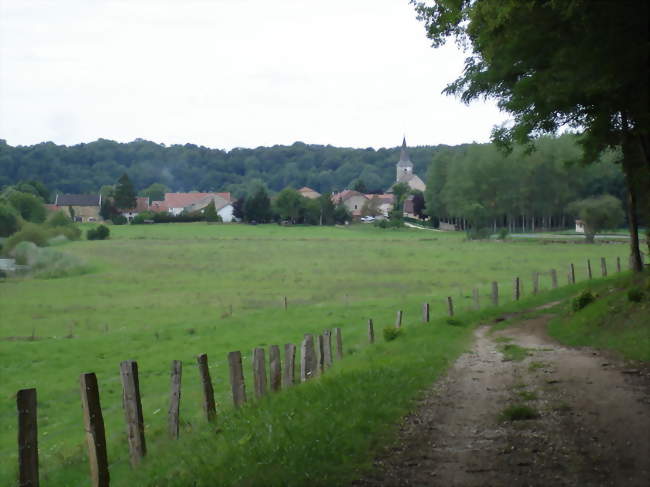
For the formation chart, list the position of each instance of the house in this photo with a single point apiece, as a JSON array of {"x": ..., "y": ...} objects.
[
  {"x": 224, "y": 207},
  {"x": 404, "y": 172},
  {"x": 175, "y": 203},
  {"x": 409, "y": 209},
  {"x": 384, "y": 202},
  {"x": 85, "y": 207},
  {"x": 157, "y": 206},
  {"x": 309, "y": 193},
  {"x": 352, "y": 200},
  {"x": 580, "y": 226},
  {"x": 141, "y": 205}
]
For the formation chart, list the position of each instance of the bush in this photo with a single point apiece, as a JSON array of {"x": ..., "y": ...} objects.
[
  {"x": 100, "y": 233},
  {"x": 30, "y": 232},
  {"x": 454, "y": 322},
  {"x": 63, "y": 225},
  {"x": 503, "y": 233},
  {"x": 119, "y": 220},
  {"x": 59, "y": 219},
  {"x": 635, "y": 294},
  {"x": 48, "y": 263},
  {"x": 30, "y": 207},
  {"x": 583, "y": 299},
  {"x": 391, "y": 333},
  {"x": 140, "y": 218},
  {"x": 9, "y": 222}
]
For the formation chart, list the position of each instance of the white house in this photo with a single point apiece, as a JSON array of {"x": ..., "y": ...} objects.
[
  {"x": 175, "y": 203},
  {"x": 224, "y": 207}
]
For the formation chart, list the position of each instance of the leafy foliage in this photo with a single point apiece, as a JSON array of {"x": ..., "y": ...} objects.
[
  {"x": 29, "y": 206},
  {"x": 210, "y": 214},
  {"x": 392, "y": 333},
  {"x": 124, "y": 196},
  {"x": 9, "y": 219},
  {"x": 598, "y": 214},
  {"x": 102, "y": 232},
  {"x": 584, "y": 299}
]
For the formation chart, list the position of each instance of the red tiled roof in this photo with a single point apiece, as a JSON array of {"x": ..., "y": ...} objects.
[
  {"x": 346, "y": 194},
  {"x": 181, "y": 200}
]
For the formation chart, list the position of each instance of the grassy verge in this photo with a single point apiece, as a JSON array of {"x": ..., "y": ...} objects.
[{"x": 612, "y": 321}]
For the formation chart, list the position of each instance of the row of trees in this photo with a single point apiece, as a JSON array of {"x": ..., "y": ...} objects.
[
  {"x": 289, "y": 206},
  {"x": 484, "y": 186}
]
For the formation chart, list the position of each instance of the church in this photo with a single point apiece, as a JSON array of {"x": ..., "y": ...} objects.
[{"x": 404, "y": 171}]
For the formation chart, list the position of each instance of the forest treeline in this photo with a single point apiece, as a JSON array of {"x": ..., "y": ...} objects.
[
  {"x": 85, "y": 168},
  {"x": 475, "y": 182}
]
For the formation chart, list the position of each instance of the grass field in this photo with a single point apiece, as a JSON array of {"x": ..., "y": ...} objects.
[{"x": 163, "y": 292}]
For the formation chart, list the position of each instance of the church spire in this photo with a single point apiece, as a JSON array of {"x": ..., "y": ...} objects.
[{"x": 404, "y": 155}]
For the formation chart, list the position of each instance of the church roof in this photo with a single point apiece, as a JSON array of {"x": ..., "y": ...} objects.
[{"x": 404, "y": 159}]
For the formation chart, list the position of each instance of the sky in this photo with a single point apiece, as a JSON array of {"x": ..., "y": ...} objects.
[{"x": 229, "y": 73}]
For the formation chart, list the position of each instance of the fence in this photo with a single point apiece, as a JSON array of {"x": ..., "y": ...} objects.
[{"x": 316, "y": 356}]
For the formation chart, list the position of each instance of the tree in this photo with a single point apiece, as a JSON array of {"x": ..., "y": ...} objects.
[
  {"x": 238, "y": 208},
  {"x": 211, "y": 215},
  {"x": 29, "y": 206},
  {"x": 327, "y": 209},
  {"x": 400, "y": 191},
  {"x": 341, "y": 214},
  {"x": 155, "y": 192},
  {"x": 590, "y": 74},
  {"x": 34, "y": 187},
  {"x": 419, "y": 205},
  {"x": 9, "y": 223},
  {"x": 597, "y": 214},
  {"x": 288, "y": 204},
  {"x": 258, "y": 207},
  {"x": 124, "y": 193},
  {"x": 360, "y": 186}
]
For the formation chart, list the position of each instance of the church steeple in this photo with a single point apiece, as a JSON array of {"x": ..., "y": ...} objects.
[
  {"x": 404, "y": 155},
  {"x": 404, "y": 166}
]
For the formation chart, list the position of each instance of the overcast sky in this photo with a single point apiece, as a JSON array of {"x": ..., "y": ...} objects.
[{"x": 229, "y": 73}]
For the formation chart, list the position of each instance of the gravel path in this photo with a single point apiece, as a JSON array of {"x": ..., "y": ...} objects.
[{"x": 593, "y": 426}]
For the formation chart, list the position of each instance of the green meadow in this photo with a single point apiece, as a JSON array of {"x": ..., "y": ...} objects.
[{"x": 157, "y": 293}]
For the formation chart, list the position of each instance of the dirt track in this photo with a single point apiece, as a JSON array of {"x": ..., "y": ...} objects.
[{"x": 593, "y": 427}]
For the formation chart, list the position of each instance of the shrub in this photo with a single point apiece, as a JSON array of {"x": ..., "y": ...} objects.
[
  {"x": 635, "y": 294},
  {"x": 478, "y": 233},
  {"x": 30, "y": 207},
  {"x": 583, "y": 299},
  {"x": 503, "y": 233},
  {"x": 454, "y": 322},
  {"x": 141, "y": 217},
  {"x": 30, "y": 232},
  {"x": 391, "y": 333},
  {"x": 48, "y": 263},
  {"x": 9, "y": 222},
  {"x": 100, "y": 233},
  {"x": 59, "y": 219},
  {"x": 119, "y": 220}
]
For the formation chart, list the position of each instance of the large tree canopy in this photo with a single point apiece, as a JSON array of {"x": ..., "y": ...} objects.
[{"x": 555, "y": 64}]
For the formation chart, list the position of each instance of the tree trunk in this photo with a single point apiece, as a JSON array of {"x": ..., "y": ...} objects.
[{"x": 630, "y": 160}]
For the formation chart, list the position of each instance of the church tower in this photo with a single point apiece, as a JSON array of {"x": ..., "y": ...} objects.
[{"x": 404, "y": 166}]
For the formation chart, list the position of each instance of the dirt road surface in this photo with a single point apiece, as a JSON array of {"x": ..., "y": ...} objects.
[{"x": 592, "y": 429}]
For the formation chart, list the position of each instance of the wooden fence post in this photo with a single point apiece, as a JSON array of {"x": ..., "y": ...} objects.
[
  {"x": 321, "y": 353},
  {"x": 339, "y": 343},
  {"x": 495, "y": 293},
  {"x": 95, "y": 434},
  {"x": 175, "y": 399},
  {"x": 371, "y": 332},
  {"x": 237, "y": 384},
  {"x": 618, "y": 264},
  {"x": 516, "y": 289},
  {"x": 425, "y": 313},
  {"x": 327, "y": 350},
  {"x": 259, "y": 372},
  {"x": 475, "y": 299},
  {"x": 572, "y": 274},
  {"x": 535, "y": 282},
  {"x": 307, "y": 358},
  {"x": 27, "y": 438},
  {"x": 275, "y": 366},
  {"x": 589, "y": 269},
  {"x": 133, "y": 411},
  {"x": 209, "y": 406},
  {"x": 398, "y": 319},
  {"x": 603, "y": 266},
  {"x": 288, "y": 373},
  {"x": 450, "y": 306},
  {"x": 553, "y": 278}
]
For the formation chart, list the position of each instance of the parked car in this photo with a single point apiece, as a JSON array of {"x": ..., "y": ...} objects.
[{"x": 368, "y": 219}]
